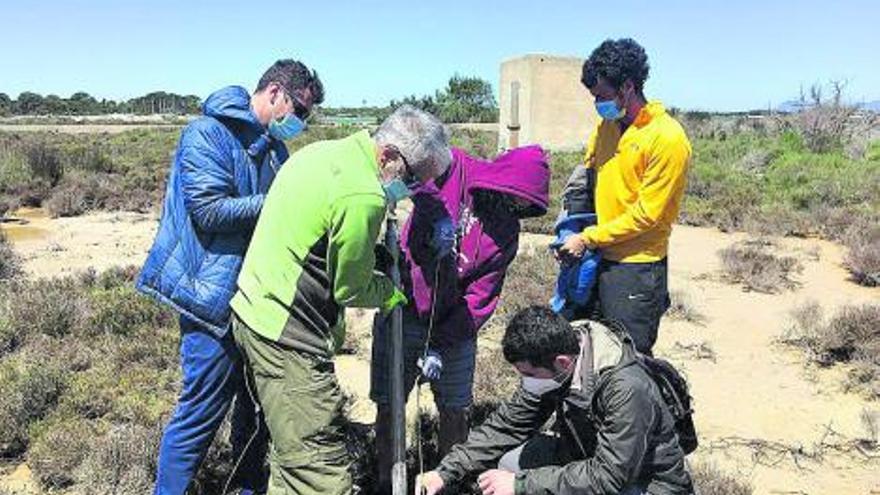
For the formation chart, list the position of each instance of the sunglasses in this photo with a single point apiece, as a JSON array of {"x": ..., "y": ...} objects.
[{"x": 300, "y": 109}]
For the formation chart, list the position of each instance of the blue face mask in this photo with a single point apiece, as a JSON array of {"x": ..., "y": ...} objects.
[
  {"x": 287, "y": 128},
  {"x": 609, "y": 110},
  {"x": 396, "y": 190}
]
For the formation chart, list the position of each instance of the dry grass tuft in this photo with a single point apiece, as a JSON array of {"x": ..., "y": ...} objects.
[
  {"x": 852, "y": 336},
  {"x": 751, "y": 264},
  {"x": 709, "y": 480}
]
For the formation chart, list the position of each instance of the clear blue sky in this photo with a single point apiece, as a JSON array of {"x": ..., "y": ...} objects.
[{"x": 704, "y": 54}]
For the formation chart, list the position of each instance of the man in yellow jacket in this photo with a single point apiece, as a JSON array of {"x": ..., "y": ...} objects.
[{"x": 637, "y": 160}]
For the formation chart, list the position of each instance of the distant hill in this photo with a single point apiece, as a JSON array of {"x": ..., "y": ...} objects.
[{"x": 873, "y": 106}]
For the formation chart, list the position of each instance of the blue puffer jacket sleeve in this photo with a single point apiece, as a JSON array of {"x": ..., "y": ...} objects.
[
  {"x": 224, "y": 165},
  {"x": 208, "y": 183}
]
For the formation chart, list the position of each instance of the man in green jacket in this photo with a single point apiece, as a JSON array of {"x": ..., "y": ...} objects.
[
  {"x": 613, "y": 433},
  {"x": 311, "y": 256}
]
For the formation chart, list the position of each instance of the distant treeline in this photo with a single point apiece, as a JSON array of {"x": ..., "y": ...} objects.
[
  {"x": 463, "y": 99},
  {"x": 81, "y": 103}
]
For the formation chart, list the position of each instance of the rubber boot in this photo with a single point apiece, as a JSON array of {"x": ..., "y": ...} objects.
[
  {"x": 453, "y": 428},
  {"x": 384, "y": 450}
]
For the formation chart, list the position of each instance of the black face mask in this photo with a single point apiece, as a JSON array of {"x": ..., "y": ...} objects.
[{"x": 493, "y": 203}]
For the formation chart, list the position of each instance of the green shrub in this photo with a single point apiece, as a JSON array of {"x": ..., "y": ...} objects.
[
  {"x": 8, "y": 203},
  {"x": 53, "y": 307},
  {"x": 483, "y": 144},
  {"x": 122, "y": 461},
  {"x": 58, "y": 446},
  {"x": 806, "y": 181},
  {"x": 91, "y": 394},
  {"x": 121, "y": 310},
  {"x": 28, "y": 391},
  {"x": 44, "y": 162},
  {"x": 10, "y": 263},
  {"x": 14, "y": 169},
  {"x": 9, "y": 337},
  {"x": 145, "y": 397},
  {"x": 562, "y": 164},
  {"x": 720, "y": 195},
  {"x": 81, "y": 192}
]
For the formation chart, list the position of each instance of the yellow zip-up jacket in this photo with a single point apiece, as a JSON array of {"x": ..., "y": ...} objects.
[{"x": 640, "y": 180}]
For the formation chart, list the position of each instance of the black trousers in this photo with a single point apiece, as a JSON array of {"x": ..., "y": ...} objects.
[{"x": 634, "y": 295}]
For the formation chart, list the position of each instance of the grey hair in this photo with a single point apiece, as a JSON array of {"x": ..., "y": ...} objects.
[{"x": 421, "y": 138}]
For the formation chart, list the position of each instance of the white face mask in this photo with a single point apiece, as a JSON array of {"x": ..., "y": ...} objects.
[{"x": 541, "y": 386}]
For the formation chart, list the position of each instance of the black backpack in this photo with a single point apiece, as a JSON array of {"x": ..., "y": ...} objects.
[{"x": 674, "y": 389}]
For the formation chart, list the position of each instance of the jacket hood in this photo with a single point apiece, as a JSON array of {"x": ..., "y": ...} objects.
[
  {"x": 523, "y": 172},
  {"x": 232, "y": 102},
  {"x": 601, "y": 349}
]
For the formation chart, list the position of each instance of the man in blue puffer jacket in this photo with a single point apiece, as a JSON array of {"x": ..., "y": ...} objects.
[{"x": 224, "y": 165}]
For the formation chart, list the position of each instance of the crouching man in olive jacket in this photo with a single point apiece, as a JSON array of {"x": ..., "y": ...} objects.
[{"x": 613, "y": 433}]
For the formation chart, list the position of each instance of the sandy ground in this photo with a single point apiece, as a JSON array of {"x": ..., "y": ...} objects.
[
  {"x": 762, "y": 414},
  {"x": 62, "y": 246}
]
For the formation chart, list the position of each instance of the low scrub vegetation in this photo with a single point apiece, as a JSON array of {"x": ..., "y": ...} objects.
[
  {"x": 757, "y": 268},
  {"x": 774, "y": 183},
  {"x": 561, "y": 166},
  {"x": 682, "y": 307},
  {"x": 530, "y": 280},
  {"x": 71, "y": 174},
  {"x": 863, "y": 257},
  {"x": 10, "y": 264},
  {"x": 88, "y": 370},
  {"x": 709, "y": 480},
  {"x": 851, "y": 336}
]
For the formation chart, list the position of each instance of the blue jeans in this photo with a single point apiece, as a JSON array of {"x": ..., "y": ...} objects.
[
  {"x": 454, "y": 389},
  {"x": 212, "y": 378}
]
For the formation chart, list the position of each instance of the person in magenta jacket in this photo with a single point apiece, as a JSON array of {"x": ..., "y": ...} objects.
[{"x": 456, "y": 247}]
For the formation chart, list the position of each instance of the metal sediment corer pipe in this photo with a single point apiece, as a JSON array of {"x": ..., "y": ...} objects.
[{"x": 398, "y": 401}]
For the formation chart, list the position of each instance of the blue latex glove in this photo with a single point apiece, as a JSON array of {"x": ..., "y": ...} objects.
[
  {"x": 443, "y": 237},
  {"x": 431, "y": 365}
]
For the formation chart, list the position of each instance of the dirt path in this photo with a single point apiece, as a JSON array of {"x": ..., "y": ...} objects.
[
  {"x": 754, "y": 389},
  {"x": 757, "y": 389}
]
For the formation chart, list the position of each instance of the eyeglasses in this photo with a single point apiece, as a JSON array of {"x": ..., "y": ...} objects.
[{"x": 410, "y": 179}]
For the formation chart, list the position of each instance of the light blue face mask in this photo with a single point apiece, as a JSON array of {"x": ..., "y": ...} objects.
[
  {"x": 609, "y": 110},
  {"x": 287, "y": 128},
  {"x": 396, "y": 190}
]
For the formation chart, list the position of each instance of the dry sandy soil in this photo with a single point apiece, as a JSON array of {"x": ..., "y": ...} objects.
[{"x": 762, "y": 414}]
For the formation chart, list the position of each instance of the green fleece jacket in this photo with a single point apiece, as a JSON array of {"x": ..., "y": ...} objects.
[{"x": 312, "y": 251}]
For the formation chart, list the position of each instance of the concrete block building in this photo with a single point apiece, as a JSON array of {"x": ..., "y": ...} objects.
[{"x": 542, "y": 101}]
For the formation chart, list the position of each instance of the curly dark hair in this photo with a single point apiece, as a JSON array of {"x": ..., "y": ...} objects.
[
  {"x": 616, "y": 61},
  {"x": 293, "y": 76},
  {"x": 537, "y": 335}
]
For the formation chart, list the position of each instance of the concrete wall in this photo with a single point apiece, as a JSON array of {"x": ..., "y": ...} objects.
[{"x": 555, "y": 110}]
